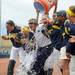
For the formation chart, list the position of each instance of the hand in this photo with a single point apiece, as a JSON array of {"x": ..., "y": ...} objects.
[
  {"x": 5, "y": 38},
  {"x": 68, "y": 55},
  {"x": 72, "y": 40},
  {"x": 17, "y": 40},
  {"x": 46, "y": 20},
  {"x": 24, "y": 41},
  {"x": 72, "y": 36}
]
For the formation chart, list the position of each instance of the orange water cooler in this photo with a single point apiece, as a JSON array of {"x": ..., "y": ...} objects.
[{"x": 43, "y": 6}]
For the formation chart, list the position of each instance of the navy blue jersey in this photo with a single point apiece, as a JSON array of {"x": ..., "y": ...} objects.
[
  {"x": 57, "y": 38},
  {"x": 56, "y": 35},
  {"x": 16, "y": 30},
  {"x": 70, "y": 30}
]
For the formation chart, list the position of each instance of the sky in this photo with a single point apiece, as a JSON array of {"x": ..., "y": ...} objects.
[{"x": 20, "y": 11}]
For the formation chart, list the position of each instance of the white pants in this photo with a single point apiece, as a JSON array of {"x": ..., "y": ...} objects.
[
  {"x": 52, "y": 60},
  {"x": 15, "y": 52},
  {"x": 72, "y": 65},
  {"x": 63, "y": 53}
]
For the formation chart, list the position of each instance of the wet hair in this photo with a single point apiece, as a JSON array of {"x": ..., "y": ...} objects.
[
  {"x": 72, "y": 8},
  {"x": 11, "y": 23}
]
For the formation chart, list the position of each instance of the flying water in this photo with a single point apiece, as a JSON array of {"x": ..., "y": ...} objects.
[{"x": 27, "y": 63}]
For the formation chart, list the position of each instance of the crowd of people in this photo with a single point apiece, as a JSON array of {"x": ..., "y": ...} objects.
[{"x": 43, "y": 47}]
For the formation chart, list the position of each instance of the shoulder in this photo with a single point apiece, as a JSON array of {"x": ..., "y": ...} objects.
[
  {"x": 31, "y": 34},
  {"x": 20, "y": 35},
  {"x": 17, "y": 28},
  {"x": 67, "y": 23}
]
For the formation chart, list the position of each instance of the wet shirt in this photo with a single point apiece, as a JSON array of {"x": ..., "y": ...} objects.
[
  {"x": 21, "y": 38},
  {"x": 41, "y": 39}
]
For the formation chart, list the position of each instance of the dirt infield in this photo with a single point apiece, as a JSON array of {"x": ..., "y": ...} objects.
[{"x": 4, "y": 65}]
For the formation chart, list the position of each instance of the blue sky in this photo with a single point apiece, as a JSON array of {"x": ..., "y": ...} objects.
[{"x": 20, "y": 11}]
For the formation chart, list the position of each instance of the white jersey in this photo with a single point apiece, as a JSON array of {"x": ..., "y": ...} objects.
[{"x": 41, "y": 39}]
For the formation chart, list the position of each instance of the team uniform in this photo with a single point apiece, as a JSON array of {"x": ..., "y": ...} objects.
[
  {"x": 70, "y": 31},
  {"x": 65, "y": 41},
  {"x": 29, "y": 52},
  {"x": 60, "y": 42},
  {"x": 57, "y": 41},
  {"x": 56, "y": 36},
  {"x": 27, "y": 47},
  {"x": 16, "y": 48},
  {"x": 15, "y": 51},
  {"x": 58, "y": 29}
]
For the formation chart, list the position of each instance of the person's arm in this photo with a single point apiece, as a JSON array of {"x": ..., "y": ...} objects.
[
  {"x": 72, "y": 36},
  {"x": 5, "y": 38},
  {"x": 46, "y": 20},
  {"x": 72, "y": 40}
]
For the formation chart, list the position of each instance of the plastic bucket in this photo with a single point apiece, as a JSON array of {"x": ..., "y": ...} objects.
[{"x": 44, "y": 5}]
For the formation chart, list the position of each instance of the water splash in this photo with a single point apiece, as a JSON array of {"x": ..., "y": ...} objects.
[{"x": 27, "y": 64}]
